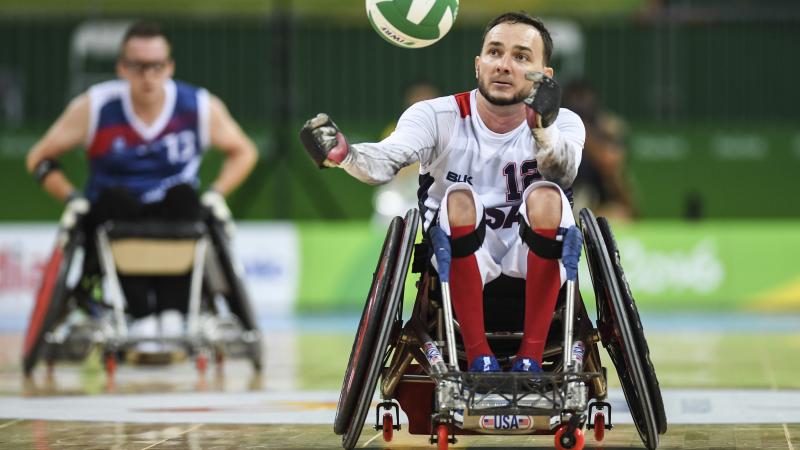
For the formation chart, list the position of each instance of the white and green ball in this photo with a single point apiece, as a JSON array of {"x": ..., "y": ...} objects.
[{"x": 412, "y": 23}]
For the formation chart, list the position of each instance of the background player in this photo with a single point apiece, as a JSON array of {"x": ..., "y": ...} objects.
[
  {"x": 145, "y": 135},
  {"x": 494, "y": 167}
]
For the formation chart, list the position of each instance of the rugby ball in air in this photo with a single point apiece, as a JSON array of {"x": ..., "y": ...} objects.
[{"x": 412, "y": 23}]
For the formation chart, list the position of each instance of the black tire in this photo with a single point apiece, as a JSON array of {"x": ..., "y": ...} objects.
[
  {"x": 364, "y": 342},
  {"x": 617, "y": 333},
  {"x": 636, "y": 324},
  {"x": 50, "y": 306},
  {"x": 381, "y": 312}
]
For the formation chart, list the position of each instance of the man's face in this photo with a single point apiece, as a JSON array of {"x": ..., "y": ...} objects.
[
  {"x": 509, "y": 51},
  {"x": 146, "y": 64}
]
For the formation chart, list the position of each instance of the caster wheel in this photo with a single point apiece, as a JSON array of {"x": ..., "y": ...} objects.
[
  {"x": 110, "y": 362},
  {"x": 599, "y": 426},
  {"x": 566, "y": 440},
  {"x": 443, "y": 435},
  {"x": 201, "y": 363},
  {"x": 388, "y": 428}
]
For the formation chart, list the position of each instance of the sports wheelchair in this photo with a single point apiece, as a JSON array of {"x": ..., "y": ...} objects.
[
  {"x": 143, "y": 248},
  {"x": 421, "y": 362}
]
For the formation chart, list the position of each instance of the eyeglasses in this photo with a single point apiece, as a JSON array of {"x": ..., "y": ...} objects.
[{"x": 142, "y": 67}]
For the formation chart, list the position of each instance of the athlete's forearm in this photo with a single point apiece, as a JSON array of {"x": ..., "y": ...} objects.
[
  {"x": 558, "y": 149},
  {"x": 235, "y": 169},
  {"x": 377, "y": 163},
  {"x": 556, "y": 162},
  {"x": 57, "y": 185}
]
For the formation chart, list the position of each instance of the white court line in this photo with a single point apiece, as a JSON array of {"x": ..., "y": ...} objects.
[
  {"x": 683, "y": 406},
  {"x": 372, "y": 439},
  {"x": 788, "y": 436},
  {"x": 173, "y": 437},
  {"x": 10, "y": 423}
]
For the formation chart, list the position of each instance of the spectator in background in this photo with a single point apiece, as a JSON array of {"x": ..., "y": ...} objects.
[{"x": 602, "y": 183}]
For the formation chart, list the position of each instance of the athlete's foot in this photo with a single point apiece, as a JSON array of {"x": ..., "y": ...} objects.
[
  {"x": 484, "y": 363},
  {"x": 526, "y": 365}
]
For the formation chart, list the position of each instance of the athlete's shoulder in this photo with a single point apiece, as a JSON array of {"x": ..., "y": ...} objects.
[
  {"x": 455, "y": 105},
  {"x": 463, "y": 102},
  {"x": 108, "y": 90},
  {"x": 187, "y": 88}
]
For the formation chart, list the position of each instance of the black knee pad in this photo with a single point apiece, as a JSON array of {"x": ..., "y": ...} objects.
[
  {"x": 469, "y": 244},
  {"x": 542, "y": 246}
]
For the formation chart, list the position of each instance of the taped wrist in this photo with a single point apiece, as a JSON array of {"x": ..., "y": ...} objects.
[
  {"x": 44, "y": 168},
  {"x": 72, "y": 196},
  {"x": 542, "y": 246},
  {"x": 470, "y": 243}
]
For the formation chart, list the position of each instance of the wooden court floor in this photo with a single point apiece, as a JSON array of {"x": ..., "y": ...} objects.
[{"x": 762, "y": 362}]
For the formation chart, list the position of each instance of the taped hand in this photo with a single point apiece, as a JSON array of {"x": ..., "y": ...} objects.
[
  {"x": 323, "y": 141},
  {"x": 543, "y": 102}
]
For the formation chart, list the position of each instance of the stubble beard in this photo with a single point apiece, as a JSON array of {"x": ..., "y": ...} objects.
[{"x": 517, "y": 98}]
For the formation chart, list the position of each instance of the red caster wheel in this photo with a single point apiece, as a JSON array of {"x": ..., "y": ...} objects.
[
  {"x": 201, "y": 363},
  {"x": 443, "y": 435},
  {"x": 110, "y": 362},
  {"x": 388, "y": 428},
  {"x": 566, "y": 440},
  {"x": 599, "y": 426}
]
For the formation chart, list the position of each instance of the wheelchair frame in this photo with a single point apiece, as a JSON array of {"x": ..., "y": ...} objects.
[
  {"x": 58, "y": 296},
  {"x": 555, "y": 401}
]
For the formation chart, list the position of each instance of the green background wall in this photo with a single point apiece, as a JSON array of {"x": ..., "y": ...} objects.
[{"x": 711, "y": 105}]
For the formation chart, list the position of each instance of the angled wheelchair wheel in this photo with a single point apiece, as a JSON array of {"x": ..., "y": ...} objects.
[
  {"x": 50, "y": 306},
  {"x": 621, "y": 332},
  {"x": 237, "y": 298},
  {"x": 636, "y": 324},
  {"x": 382, "y": 312}
]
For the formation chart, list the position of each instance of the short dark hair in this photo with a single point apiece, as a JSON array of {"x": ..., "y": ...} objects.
[
  {"x": 143, "y": 30},
  {"x": 523, "y": 17}
]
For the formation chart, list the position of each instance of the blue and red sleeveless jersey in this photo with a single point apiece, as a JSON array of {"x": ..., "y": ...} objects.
[{"x": 145, "y": 159}]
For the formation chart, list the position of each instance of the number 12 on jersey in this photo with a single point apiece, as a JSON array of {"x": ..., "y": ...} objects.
[{"x": 528, "y": 172}]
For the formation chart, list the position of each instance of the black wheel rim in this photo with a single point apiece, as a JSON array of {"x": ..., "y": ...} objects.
[{"x": 616, "y": 331}]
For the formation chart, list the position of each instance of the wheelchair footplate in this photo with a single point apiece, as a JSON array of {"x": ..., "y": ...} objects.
[{"x": 511, "y": 402}]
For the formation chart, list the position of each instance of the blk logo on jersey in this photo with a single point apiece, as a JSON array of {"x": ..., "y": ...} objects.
[
  {"x": 456, "y": 178},
  {"x": 506, "y": 422}
]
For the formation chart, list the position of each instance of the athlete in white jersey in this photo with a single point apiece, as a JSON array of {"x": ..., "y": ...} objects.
[{"x": 488, "y": 158}]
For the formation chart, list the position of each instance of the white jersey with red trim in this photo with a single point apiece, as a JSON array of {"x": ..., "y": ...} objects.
[{"x": 451, "y": 142}]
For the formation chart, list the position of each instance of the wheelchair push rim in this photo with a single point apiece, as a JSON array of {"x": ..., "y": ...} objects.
[
  {"x": 616, "y": 329},
  {"x": 387, "y": 315},
  {"x": 367, "y": 327}
]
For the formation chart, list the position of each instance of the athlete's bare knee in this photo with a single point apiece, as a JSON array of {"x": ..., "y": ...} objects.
[
  {"x": 544, "y": 208},
  {"x": 460, "y": 208}
]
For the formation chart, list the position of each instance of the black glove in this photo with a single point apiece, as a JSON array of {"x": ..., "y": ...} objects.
[
  {"x": 323, "y": 141},
  {"x": 543, "y": 101}
]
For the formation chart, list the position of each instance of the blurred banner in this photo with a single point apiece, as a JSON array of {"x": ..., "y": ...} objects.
[
  {"x": 268, "y": 251},
  {"x": 320, "y": 268}
]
